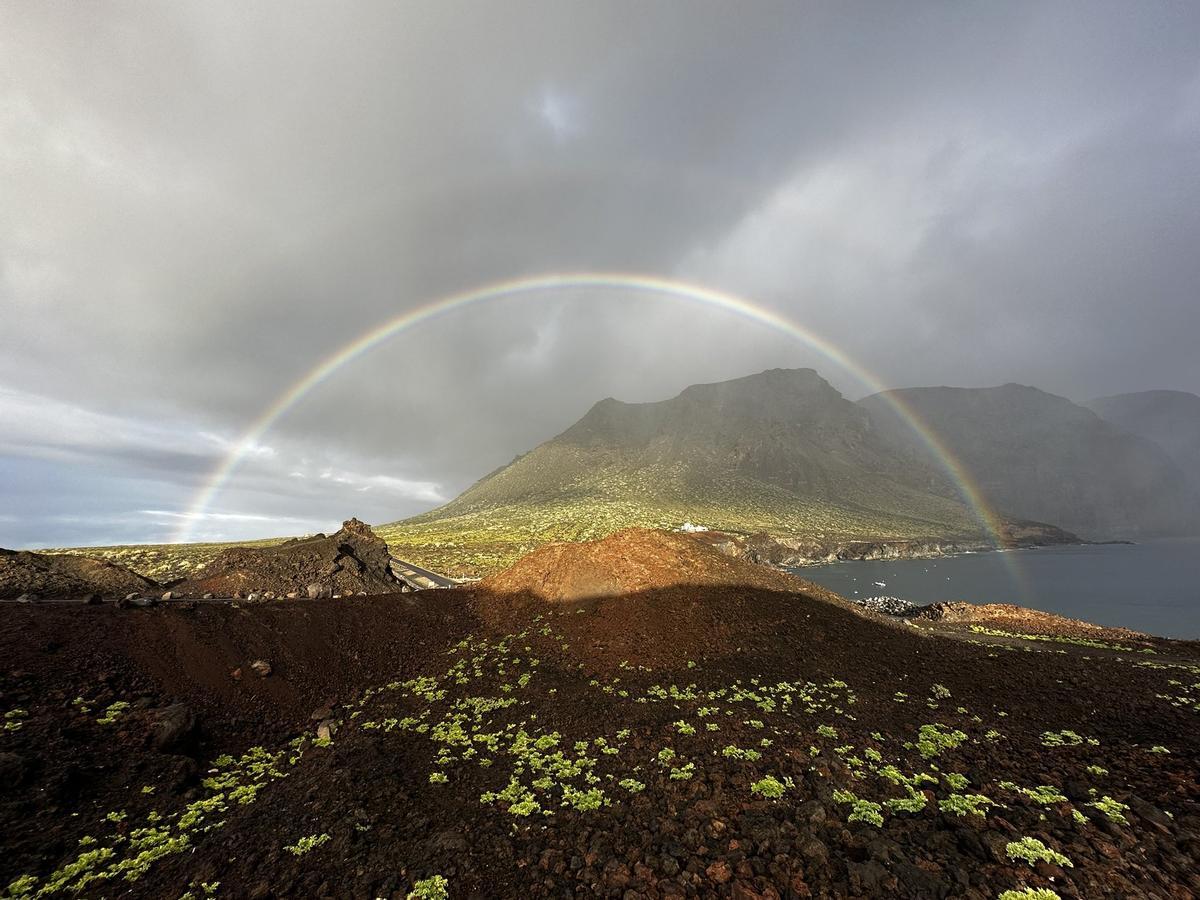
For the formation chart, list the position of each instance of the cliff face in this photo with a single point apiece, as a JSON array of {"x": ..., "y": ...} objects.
[
  {"x": 1171, "y": 419},
  {"x": 1037, "y": 456}
]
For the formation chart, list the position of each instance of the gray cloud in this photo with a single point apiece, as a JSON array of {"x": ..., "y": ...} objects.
[{"x": 202, "y": 201}]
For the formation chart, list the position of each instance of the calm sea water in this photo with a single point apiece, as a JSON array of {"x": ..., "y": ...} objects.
[{"x": 1152, "y": 587}]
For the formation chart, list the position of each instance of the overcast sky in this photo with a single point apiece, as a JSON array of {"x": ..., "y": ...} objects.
[{"x": 201, "y": 200}]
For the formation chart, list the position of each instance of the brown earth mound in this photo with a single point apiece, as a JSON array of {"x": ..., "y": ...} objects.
[
  {"x": 1007, "y": 617},
  {"x": 636, "y": 559},
  {"x": 48, "y": 576},
  {"x": 354, "y": 560}
]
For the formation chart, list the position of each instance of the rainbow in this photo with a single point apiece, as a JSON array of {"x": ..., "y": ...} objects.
[{"x": 543, "y": 284}]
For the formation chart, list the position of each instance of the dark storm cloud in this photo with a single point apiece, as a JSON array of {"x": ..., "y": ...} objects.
[{"x": 201, "y": 201}]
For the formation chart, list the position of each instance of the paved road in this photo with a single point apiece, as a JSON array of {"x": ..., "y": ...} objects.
[{"x": 419, "y": 579}]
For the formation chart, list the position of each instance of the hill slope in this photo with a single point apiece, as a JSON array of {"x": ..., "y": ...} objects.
[
  {"x": 1170, "y": 419},
  {"x": 713, "y": 740},
  {"x": 1039, "y": 456},
  {"x": 781, "y": 451}
]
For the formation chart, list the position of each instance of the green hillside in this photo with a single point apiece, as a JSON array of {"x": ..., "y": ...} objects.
[{"x": 781, "y": 452}]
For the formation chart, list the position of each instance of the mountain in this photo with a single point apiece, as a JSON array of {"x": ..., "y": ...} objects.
[
  {"x": 1039, "y": 456},
  {"x": 781, "y": 451},
  {"x": 1170, "y": 419}
]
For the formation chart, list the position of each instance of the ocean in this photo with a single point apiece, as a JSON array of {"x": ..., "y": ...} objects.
[{"x": 1152, "y": 587}]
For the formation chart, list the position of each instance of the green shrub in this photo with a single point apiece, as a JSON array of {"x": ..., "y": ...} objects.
[
  {"x": 769, "y": 787},
  {"x": 305, "y": 844},
  {"x": 1034, "y": 851},
  {"x": 433, "y": 888}
]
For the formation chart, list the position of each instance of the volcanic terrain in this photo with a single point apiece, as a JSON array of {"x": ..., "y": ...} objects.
[{"x": 670, "y": 723}]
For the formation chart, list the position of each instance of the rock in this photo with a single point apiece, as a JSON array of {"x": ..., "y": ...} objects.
[
  {"x": 1150, "y": 814},
  {"x": 89, "y": 599},
  {"x": 254, "y": 597},
  {"x": 719, "y": 871},
  {"x": 323, "y": 712},
  {"x": 132, "y": 596},
  {"x": 261, "y": 668},
  {"x": 318, "y": 591},
  {"x": 28, "y": 598},
  {"x": 123, "y": 602},
  {"x": 207, "y": 597},
  {"x": 174, "y": 726},
  {"x": 326, "y": 730},
  {"x": 743, "y": 891},
  {"x": 144, "y": 601},
  {"x": 168, "y": 595},
  {"x": 292, "y": 595}
]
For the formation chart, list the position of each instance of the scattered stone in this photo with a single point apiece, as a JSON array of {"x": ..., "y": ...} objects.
[
  {"x": 719, "y": 871},
  {"x": 261, "y": 667},
  {"x": 132, "y": 596},
  {"x": 254, "y": 597},
  {"x": 292, "y": 595},
  {"x": 326, "y": 730},
  {"x": 207, "y": 597},
  {"x": 89, "y": 599},
  {"x": 28, "y": 598},
  {"x": 318, "y": 591},
  {"x": 168, "y": 595}
]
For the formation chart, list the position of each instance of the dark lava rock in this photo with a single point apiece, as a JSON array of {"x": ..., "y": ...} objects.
[{"x": 174, "y": 728}]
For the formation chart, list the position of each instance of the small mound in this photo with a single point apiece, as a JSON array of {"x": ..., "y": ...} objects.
[
  {"x": 632, "y": 561},
  {"x": 352, "y": 561},
  {"x": 1020, "y": 619},
  {"x": 54, "y": 576}
]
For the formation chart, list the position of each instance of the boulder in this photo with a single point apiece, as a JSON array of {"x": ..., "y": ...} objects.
[
  {"x": 174, "y": 727},
  {"x": 317, "y": 591}
]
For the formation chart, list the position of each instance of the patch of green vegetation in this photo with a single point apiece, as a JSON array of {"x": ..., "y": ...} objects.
[
  {"x": 966, "y": 804},
  {"x": 435, "y": 887},
  {"x": 1113, "y": 809},
  {"x": 769, "y": 787},
  {"x": 933, "y": 740},
  {"x": 1043, "y": 794},
  {"x": 1029, "y": 894},
  {"x": 1058, "y": 639},
  {"x": 307, "y": 844},
  {"x": 1066, "y": 738},
  {"x": 114, "y": 712},
  {"x": 1033, "y": 851}
]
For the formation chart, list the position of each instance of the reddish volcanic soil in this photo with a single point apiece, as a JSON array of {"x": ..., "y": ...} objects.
[{"x": 616, "y": 746}]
